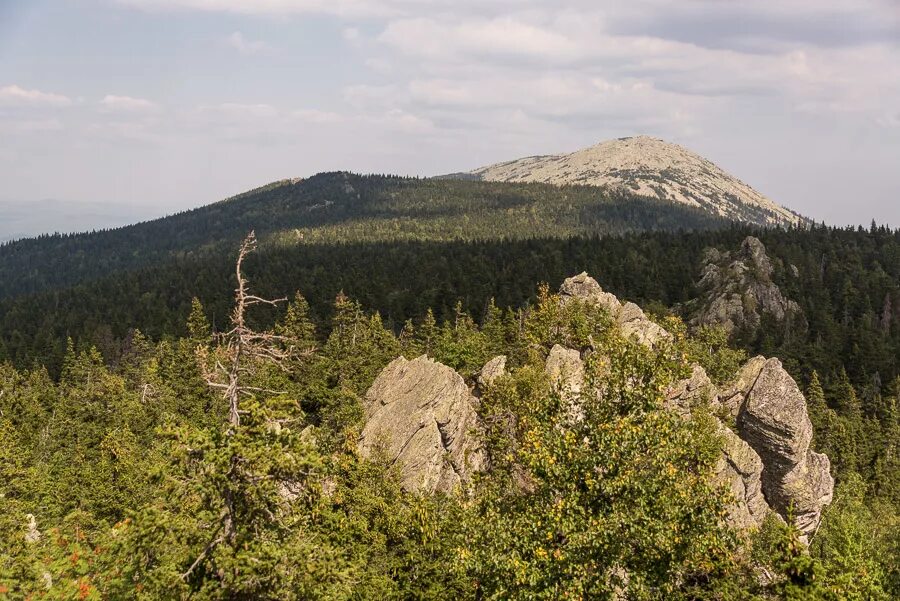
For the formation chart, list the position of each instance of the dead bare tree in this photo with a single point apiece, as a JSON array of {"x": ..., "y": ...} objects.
[
  {"x": 239, "y": 352},
  {"x": 241, "y": 347}
]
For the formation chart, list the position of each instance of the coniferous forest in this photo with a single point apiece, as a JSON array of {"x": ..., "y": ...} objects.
[{"x": 162, "y": 436}]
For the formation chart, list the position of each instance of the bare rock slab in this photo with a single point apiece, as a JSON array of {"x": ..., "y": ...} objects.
[{"x": 421, "y": 414}]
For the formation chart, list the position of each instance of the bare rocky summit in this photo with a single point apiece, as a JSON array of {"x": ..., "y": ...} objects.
[
  {"x": 649, "y": 167},
  {"x": 423, "y": 416}
]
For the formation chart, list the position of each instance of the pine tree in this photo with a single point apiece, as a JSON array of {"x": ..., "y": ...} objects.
[
  {"x": 296, "y": 324},
  {"x": 409, "y": 346},
  {"x": 493, "y": 328},
  {"x": 197, "y": 324},
  {"x": 427, "y": 333},
  {"x": 848, "y": 404}
]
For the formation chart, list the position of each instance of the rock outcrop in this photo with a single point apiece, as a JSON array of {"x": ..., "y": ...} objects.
[
  {"x": 421, "y": 414},
  {"x": 628, "y": 316},
  {"x": 493, "y": 369},
  {"x": 736, "y": 291},
  {"x": 691, "y": 392},
  {"x": 767, "y": 463},
  {"x": 566, "y": 370},
  {"x": 774, "y": 421},
  {"x": 740, "y": 469}
]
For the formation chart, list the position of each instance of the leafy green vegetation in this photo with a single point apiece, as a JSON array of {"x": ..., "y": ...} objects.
[
  {"x": 121, "y": 466},
  {"x": 147, "y": 479}
]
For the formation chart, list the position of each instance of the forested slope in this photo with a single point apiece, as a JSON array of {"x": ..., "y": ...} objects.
[
  {"x": 171, "y": 476},
  {"x": 339, "y": 208},
  {"x": 847, "y": 282}
]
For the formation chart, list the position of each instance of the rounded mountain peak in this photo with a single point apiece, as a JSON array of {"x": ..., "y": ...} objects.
[{"x": 648, "y": 166}]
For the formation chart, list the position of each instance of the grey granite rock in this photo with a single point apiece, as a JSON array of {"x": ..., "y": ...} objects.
[
  {"x": 738, "y": 290},
  {"x": 492, "y": 370},
  {"x": 421, "y": 414},
  {"x": 774, "y": 421},
  {"x": 629, "y": 317}
]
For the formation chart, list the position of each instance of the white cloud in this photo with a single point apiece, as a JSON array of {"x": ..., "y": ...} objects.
[
  {"x": 237, "y": 110},
  {"x": 317, "y": 116},
  {"x": 247, "y": 47},
  {"x": 274, "y": 7},
  {"x": 128, "y": 104},
  {"x": 497, "y": 37},
  {"x": 13, "y": 95},
  {"x": 31, "y": 126}
]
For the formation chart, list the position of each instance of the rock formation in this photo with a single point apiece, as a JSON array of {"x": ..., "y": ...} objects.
[
  {"x": 774, "y": 421},
  {"x": 492, "y": 370},
  {"x": 421, "y": 414},
  {"x": 767, "y": 463},
  {"x": 566, "y": 370},
  {"x": 740, "y": 470},
  {"x": 737, "y": 291},
  {"x": 629, "y": 317}
]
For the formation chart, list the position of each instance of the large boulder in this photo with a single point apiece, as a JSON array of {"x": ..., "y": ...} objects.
[
  {"x": 773, "y": 419},
  {"x": 566, "y": 370},
  {"x": 421, "y": 415},
  {"x": 492, "y": 370},
  {"x": 628, "y": 316}
]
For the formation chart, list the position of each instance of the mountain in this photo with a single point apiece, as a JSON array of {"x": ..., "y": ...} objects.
[{"x": 649, "y": 167}]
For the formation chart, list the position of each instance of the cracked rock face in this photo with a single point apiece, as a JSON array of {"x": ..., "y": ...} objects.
[
  {"x": 767, "y": 463},
  {"x": 421, "y": 414},
  {"x": 690, "y": 392},
  {"x": 740, "y": 470},
  {"x": 774, "y": 421},
  {"x": 566, "y": 370},
  {"x": 737, "y": 290},
  {"x": 629, "y": 317}
]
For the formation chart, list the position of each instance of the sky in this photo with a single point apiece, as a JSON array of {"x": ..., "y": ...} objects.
[{"x": 171, "y": 104}]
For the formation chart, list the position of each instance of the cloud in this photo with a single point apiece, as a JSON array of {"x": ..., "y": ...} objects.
[
  {"x": 494, "y": 37},
  {"x": 13, "y": 95},
  {"x": 237, "y": 110},
  {"x": 128, "y": 104},
  {"x": 317, "y": 116},
  {"x": 247, "y": 47},
  {"x": 275, "y": 7}
]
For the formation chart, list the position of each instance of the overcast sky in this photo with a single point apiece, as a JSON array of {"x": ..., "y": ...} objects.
[{"x": 177, "y": 103}]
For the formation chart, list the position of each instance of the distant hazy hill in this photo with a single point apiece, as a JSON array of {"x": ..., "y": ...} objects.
[
  {"x": 28, "y": 219},
  {"x": 339, "y": 208},
  {"x": 650, "y": 167}
]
